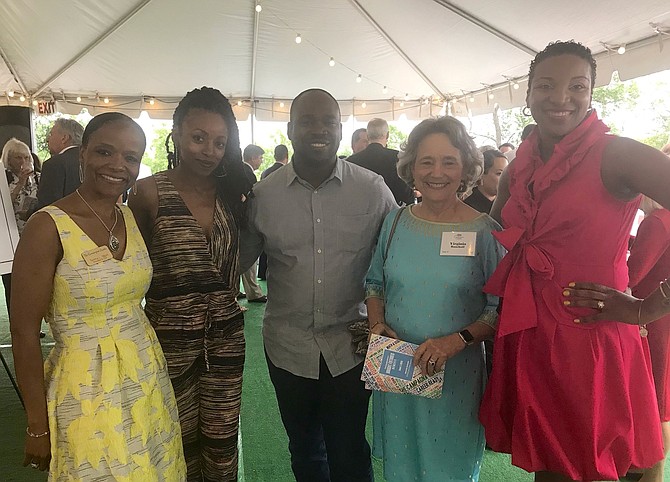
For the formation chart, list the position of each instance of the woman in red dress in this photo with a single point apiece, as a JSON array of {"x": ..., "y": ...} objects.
[
  {"x": 569, "y": 398},
  {"x": 648, "y": 265}
]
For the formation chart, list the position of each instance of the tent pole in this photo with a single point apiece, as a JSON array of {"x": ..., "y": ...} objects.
[
  {"x": 397, "y": 48},
  {"x": 13, "y": 71},
  {"x": 93, "y": 45},
  {"x": 480, "y": 23}
]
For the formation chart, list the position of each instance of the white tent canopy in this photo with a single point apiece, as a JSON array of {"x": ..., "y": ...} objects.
[{"x": 411, "y": 55}]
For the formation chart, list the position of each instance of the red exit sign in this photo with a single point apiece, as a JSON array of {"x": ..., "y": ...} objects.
[{"x": 44, "y": 108}]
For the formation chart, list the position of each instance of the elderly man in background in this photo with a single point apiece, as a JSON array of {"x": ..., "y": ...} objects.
[
  {"x": 61, "y": 172},
  {"x": 378, "y": 158},
  {"x": 359, "y": 140}
]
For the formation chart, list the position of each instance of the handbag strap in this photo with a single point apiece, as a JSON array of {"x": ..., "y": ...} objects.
[{"x": 395, "y": 223}]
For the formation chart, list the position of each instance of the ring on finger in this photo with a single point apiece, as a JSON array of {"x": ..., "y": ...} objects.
[
  {"x": 34, "y": 465},
  {"x": 431, "y": 362},
  {"x": 601, "y": 305}
]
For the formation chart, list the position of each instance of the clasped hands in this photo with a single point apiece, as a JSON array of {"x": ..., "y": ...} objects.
[{"x": 432, "y": 354}]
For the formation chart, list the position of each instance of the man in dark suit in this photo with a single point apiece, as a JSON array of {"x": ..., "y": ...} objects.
[
  {"x": 252, "y": 157},
  {"x": 377, "y": 158},
  {"x": 281, "y": 158},
  {"x": 60, "y": 173}
]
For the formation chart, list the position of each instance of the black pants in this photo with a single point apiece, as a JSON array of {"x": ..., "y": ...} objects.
[
  {"x": 263, "y": 266},
  {"x": 325, "y": 423},
  {"x": 7, "y": 282}
]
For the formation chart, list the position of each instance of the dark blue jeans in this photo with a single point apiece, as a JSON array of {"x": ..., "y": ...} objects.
[{"x": 325, "y": 423}]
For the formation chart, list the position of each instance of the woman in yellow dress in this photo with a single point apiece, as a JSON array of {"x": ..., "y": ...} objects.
[{"x": 102, "y": 406}]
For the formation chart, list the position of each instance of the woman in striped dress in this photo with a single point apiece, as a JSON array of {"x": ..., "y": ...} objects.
[{"x": 190, "y": 216}]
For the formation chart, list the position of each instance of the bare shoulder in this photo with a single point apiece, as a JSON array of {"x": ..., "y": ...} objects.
[
  {"x": 143, "y": 202},
  {"x": 40, "y": 238},
  {"x": 630, "y": 167}
]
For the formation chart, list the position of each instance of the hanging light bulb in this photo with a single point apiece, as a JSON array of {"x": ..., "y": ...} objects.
[
  {"x": 331, "y": 62},
  {"x": 281, "y": 104},
  {"x": 359, "y": 78},
  {"x": 239, "y": 103},
  {"x": 298, "y": 39},
  {"x": 259, "y": 8},
  {"x": 364, "y": 105},
  {"x": 10, "y": 93},
  {"x": 35, "y": 102},
  {"x": 22, "y": 98},
  {"x": 402, "y": 103},
  {"x": 491, "y": 96},
  {"x": 515, "y": 85},
  {"x": 385, "y": 90},
  {"x": 621, "y": 50},
  {"x": 472, "y": 98},
  {"x": 152, "y": 101},
  {"x": 106, "y": 100},
  {"x": 406, "y": 97},
  {"x": 78, "y": 98}
]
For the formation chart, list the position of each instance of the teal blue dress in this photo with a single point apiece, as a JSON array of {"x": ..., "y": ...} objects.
[{"x": 427, "y": 296}]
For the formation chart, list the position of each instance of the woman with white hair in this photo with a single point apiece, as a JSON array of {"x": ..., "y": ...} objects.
[
  {"x": 21, "y": 178},
  {"x": 22, "y": 181}
]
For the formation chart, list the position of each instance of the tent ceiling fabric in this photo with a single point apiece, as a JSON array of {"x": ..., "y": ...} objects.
[{"x": 130, "y": 50}]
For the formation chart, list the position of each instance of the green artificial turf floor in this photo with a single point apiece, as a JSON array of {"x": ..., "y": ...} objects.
[{"x": 264, "y": 446}]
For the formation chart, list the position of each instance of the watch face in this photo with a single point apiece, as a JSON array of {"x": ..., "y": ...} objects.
[{"x": 467, "y": 336}]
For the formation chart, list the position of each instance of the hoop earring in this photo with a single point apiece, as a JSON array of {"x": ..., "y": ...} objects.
[
  {"x": 81, "y": 174},
  {"x": 220, "y": 171},
  {"x": 526, "y": 111}
]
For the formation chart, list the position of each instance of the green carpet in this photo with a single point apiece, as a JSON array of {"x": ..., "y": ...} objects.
[{"x": 264, "y": 445}]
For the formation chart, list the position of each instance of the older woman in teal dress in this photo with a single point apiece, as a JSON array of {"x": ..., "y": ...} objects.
[{"x": 425, "y": 296}]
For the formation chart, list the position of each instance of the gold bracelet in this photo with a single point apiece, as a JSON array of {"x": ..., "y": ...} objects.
[
  {"x": 36, "y": 435},
  {"x": 643, "y": 328}
]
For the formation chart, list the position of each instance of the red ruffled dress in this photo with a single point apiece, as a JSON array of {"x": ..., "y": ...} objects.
[
  {"x": 648, "y": 265},
  {"x": 575, "y": 399}
]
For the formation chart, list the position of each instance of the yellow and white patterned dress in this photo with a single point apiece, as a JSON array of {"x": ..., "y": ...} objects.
[{"x": 112, "y": 411}]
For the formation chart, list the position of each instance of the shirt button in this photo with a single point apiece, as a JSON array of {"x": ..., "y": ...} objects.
[
  {"x": 318, "y": 220},
  {"x": 318, "y": 281},
  {"x": 318, "y": 251}
]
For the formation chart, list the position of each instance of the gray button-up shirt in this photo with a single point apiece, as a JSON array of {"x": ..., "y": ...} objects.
[{"x": 318, "y": 242}]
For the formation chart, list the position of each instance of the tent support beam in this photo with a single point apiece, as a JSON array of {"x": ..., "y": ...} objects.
[
  {"x": 13, "y": 71},
  {"x": 397, "y": 48},
  {"x": 254, "y": 59},
  {"x": 485, "y": 26},
  {"x": 91, "y": 46}
]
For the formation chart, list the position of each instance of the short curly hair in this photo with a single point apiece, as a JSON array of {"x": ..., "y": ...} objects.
[
  {"x": 473, "y": 165},
  {"x": 557, "y": 48}
]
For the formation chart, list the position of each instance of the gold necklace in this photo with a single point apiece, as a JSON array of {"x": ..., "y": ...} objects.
[{"x": 113, "y": 243}]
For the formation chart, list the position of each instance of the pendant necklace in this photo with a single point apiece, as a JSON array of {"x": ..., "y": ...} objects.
[{"x": 113, "y": 244}]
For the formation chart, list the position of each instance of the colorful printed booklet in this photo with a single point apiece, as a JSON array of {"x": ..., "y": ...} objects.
[{"x": 389, "y": 367}]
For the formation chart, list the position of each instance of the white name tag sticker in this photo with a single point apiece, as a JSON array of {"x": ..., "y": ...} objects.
[{"x": 458, "y": 244}]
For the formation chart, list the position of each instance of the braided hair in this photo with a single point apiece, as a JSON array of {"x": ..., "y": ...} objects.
[
  {"x": 232, "y": 183},
  {"x": 555, "y": 49}
]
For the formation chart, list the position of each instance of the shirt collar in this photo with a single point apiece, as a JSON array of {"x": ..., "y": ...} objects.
[
  {"x": 66, "y": 149},
  {"x": 292, "y": 176}
]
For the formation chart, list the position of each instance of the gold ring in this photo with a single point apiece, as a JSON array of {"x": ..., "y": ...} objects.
[{"x": 601, "y": 305}]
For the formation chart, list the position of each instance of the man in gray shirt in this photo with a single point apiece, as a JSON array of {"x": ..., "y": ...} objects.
[{"x": 317, "y": 219}]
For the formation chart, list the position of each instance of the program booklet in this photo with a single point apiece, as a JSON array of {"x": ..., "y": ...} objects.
[{"x": 389, "y": 367}]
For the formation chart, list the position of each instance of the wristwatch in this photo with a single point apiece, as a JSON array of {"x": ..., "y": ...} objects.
[{"x": 467, "y": 337}]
